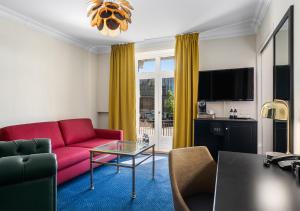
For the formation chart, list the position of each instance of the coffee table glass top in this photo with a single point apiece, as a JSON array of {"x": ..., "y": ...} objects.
[{"x": 123, "y": 147}]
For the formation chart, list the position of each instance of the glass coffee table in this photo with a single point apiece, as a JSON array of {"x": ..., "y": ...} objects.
[{"x": 123, "y": 148}]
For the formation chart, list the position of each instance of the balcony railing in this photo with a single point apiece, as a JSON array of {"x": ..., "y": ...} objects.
[{"x": 147, "y": 127}]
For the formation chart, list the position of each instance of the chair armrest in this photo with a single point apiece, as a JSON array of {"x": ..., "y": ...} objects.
[
  {"x": 24, "y": 147},
  {"x": 22, "y": 168},
  {"x": 109, "y": 134}
]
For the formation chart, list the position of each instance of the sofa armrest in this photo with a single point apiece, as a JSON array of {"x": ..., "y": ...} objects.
[
  {"x": 24, "y": 147},
  {"x": 22, "y": 168},
  {"x": 109, "y": 134},
  {"x": 1, "y": 135}
]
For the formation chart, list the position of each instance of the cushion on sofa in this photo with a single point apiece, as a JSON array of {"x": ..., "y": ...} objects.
[
  {"x": 68, "y": 156},
  {"x": 76, "y": 130},
  {"x": 92, "y": 143},
  {"x": 34, "y": 130},
  {"x": 79, "y": 168},
  {"x": 109, "y": 134}
]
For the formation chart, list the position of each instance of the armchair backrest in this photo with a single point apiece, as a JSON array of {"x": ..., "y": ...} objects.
[
  {"x": 24, "y": 147},
  {"x": 192, "y": 171},
  {"x": 27, "y": 175}
]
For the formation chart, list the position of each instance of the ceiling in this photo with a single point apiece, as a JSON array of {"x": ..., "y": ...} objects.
[{"x": 153, "y": 19}]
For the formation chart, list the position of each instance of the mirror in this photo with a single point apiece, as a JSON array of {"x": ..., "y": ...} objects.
[{"x": 283, "y": 79}]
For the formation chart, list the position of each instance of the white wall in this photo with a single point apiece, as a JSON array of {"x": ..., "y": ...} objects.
[
  {"x": 214, "y": 54},
  {"x": 103, "y": 90},
  {"x": 43, "y": 78},
  {"x": 275, "y": 13}
]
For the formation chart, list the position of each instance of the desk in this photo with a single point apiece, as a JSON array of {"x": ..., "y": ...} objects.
[{"x": 244, "y": 184}]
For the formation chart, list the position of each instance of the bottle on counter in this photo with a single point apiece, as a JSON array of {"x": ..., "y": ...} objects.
[
  {"x": 235, "y": 114},
  {"x": 231, "y": 114}
]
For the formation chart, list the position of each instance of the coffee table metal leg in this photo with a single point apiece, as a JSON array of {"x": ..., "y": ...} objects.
[
  {"x": 133, "y": 177},
  {"x": 91, "y": 171},
  {"x": 118, "y": 161},
  {"x": 153, "y": 162}
]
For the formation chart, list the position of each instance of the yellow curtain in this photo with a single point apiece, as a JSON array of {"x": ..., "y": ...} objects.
[
  {"x": 186, "y": 85},
  {"x": 122, "y": 113}
]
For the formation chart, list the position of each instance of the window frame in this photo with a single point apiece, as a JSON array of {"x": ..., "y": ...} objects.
[{"x": 157, "y": 75}]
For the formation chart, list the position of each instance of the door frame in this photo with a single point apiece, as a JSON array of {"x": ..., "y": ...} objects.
[{"x": 157, "y": 75}]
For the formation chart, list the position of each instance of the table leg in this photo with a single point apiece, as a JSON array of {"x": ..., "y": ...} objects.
[
  {"x": 91, "y": 171},
  {"x": 133, "y": 178},
  {"x": 118, "y": 161},
  {"x": 153, "y": 162}
]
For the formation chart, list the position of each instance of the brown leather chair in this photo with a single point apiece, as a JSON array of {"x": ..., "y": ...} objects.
[{"x": 192, "y": 172}]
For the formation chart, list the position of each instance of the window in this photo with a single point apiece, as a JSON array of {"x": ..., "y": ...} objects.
[
  {"x": 146, "y": 65},
  {"x": 167, "y": 63},
  {"x": 155, "y": 98}
]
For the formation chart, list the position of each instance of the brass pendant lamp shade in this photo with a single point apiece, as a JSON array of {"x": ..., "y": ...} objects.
[
  {"x": 110, "y": 16},
  {"x": 278, "y": 110}
]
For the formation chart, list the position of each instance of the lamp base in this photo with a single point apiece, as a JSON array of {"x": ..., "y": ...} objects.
[
  {"x": 276, "y": 157},
  {"x": 270, "y": 155}
]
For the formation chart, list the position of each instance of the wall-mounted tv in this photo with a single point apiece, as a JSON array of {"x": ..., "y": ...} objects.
[{"x": 226, "y": 85}]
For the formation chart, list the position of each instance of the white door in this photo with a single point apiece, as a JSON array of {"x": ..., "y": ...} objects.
[{"x": 155, "y": 97}]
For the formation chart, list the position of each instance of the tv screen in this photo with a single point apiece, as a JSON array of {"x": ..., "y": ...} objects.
[{"x": 226, "y": 85}]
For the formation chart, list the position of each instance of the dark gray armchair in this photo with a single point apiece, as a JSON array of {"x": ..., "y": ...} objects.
[{"x": 27, "y": 175}]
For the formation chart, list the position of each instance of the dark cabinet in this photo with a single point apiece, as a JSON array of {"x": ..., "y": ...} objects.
[{"x": 226, "y": 135}]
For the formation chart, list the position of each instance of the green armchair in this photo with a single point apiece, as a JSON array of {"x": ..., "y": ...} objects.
[{"x": 27, "y": 175}]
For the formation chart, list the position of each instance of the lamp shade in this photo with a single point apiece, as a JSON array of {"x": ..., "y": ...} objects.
[
  {"x": 277, "y": 109},
  {"x": 111, "y": 17}
]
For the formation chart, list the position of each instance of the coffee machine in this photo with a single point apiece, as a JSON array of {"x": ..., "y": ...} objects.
[
  {"x": 202, "y": 113},
  {"x": 202, "y": 107}
]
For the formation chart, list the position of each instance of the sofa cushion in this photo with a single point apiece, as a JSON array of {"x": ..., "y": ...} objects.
[
  {"x": 109, "y": 134},
  {"x": 93, "y": 143},
  {"x": 48, "y": 130},
  {"x": 76, "y": 130},
  {"x": 77, "y": 169},
  {"x": 68, "y": 156}
]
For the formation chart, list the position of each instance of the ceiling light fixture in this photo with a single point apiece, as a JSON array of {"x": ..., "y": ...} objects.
[{"x": 110, "y": 16}]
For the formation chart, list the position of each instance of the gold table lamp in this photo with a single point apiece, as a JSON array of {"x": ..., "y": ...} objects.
[{"x": 278, "y": 110}]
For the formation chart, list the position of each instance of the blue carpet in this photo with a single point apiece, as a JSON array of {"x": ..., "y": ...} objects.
[{"x": 113, "y": 191}]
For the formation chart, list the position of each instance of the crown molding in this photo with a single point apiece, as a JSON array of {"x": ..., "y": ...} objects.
[
  {"x": 243, "y": 28},
  {"x": 238, "y": 29},
  {"x": 260, "y": 13},
  {"x": 15, "y": 16},
  {"x": 102, "y": 49}
]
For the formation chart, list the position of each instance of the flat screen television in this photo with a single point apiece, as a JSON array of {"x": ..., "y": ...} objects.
[{"x": 226, "y": 85}]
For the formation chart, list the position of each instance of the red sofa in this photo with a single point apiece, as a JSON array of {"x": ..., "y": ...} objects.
[{"x": 71, "y": 140}]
